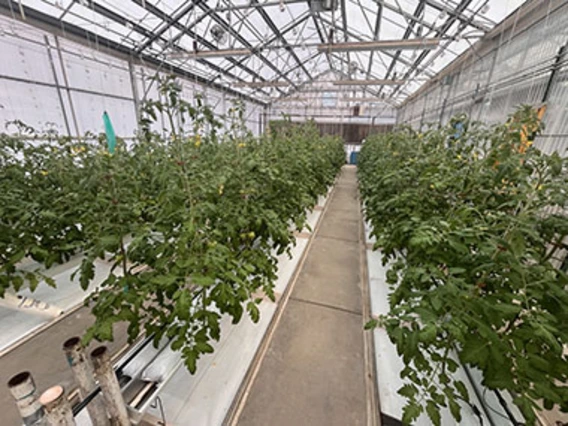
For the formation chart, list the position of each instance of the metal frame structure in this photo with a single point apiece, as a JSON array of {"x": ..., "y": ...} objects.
[{"x": 288, "y": 41}]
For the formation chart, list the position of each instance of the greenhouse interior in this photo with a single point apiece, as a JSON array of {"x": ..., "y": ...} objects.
[{"x": 284, "y": 212}]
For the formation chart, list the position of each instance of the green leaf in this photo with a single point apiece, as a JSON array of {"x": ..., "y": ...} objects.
[
  {"x": 392, "y": 277},
  {"x": 434, "y": 413},
  {"x": 475, "y": 351},
  {"x": 371, "y": 324},
  {"x": 526, "y": 407},
  {"x": 253, "y": 311},
  {"x": 190, "y": 357},
  {"x": 428, "y": 333},
  {"x": 462, "y": 390},
  {"x": 411, "y": 412},
  {"x": 408, "y": 391},
  {"x": 455, "y": 410}
]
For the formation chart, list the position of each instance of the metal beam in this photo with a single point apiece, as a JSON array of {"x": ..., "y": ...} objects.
[
  {"x": 52, "y": 24},
  {"x": 375, "y": 36},
  {"x": 419, "y": 9},
  {"x": 408, "y": 16},
  {"x": 441, "y": 32},
  {"x": 319, "y": 31},
  {"x": 173, "y": 20},
  {"x": 250, "y": 5},
  {"x": 475, "y": 24},
  {"x": 107, "y": 13},
  {"x": 279, "y": 35},
  {"x": 177, "y": 37},
  {"x": 276, "y": 83},
  {"x": 240, "y": 39},
  {"x": 223, "y": 53},
  {"x": 360, "y": 38},
  {"x": 283, "y": 31},
  {"x": 165, "y": 17},
  {"x": 368, "y": 82},
  {"x": 345, "y": 36}
]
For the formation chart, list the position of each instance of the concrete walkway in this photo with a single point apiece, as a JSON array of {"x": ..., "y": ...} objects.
[{"x": 314, "y": 371}]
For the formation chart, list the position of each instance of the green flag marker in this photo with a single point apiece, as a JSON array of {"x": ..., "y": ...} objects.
[{"x": 109, "y": 130}]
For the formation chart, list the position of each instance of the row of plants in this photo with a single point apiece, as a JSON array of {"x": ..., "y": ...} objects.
[
  {"x": 191, "y": 224},
  {"x": 470, "y": 220}
]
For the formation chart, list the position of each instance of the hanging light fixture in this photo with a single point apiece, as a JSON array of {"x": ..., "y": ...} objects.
[
  {"x": 197, "y": 54},
  {"x": 412, "y": 44}
]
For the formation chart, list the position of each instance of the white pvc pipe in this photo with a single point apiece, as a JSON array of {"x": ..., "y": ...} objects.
[
  {"x": 85, "y": 377},
  {"x": 58, "y": 411},
  {"x": 24, "y": 391},
  {"x": 108, "y": 382}
]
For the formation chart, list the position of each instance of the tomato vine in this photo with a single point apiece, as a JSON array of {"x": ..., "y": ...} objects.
[
  {"x": 192, "y": 222},
  {"x": 471, "y": 223}
]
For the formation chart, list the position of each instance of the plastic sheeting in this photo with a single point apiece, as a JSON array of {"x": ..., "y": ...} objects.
[
  {"x": 54, "y": 83},
  {"x": 518, "y": 70}
]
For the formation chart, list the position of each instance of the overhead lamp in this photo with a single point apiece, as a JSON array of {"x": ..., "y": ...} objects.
[
  {"x": 259, "y": 84},
  {"x": 209, "y": 54},
  {"x": 361, "y": 46},
  {"x": 368, "y": 82}
]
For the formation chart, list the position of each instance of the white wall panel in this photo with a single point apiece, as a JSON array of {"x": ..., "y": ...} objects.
[
  {"x": 90, "y": 108},
  {"x": 24, "y": 59},
  {"x": 97, "y": 82},
  {"x": 35, "y": 105},
  {"x": 89, "y": 73}
]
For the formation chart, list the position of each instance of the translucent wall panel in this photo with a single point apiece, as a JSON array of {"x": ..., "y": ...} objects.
[
  {"x": 89, "y": 109},
  {"x": 92, "y": 70},
  {"x": 517, "y": 69},
  {"x": 557, "y": 110},
  {"x": 37, "y": 106},
  {"x": 24, "y": 57},
  {"x": 90, "y": 82}
]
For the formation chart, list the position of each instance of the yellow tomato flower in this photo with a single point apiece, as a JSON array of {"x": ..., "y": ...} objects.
[
  {"x": 459, "y": 157},
  {"x": 197, "y": 141},
  {"x": 241, "y": 145},
  {"x": 221, "y": 188},
  {"x": 44, "y": 172},
  {"x": 251, "y": 234},
  {"x": 77, "y": 149}
]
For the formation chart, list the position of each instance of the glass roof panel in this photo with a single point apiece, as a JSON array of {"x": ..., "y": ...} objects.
[{"x": 157, "y": 28}]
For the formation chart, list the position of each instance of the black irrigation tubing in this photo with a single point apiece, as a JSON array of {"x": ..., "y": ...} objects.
[
  {"x": 86, "y": 401},
  {"x": 118, "y": 370}
]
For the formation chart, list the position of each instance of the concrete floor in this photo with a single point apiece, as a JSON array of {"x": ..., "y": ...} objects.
[
  {"x": 313, "y": 372},
  {"x": 43, "y": 357}
]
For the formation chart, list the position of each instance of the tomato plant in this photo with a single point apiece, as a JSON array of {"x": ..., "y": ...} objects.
[
  {"x": 471, "y": 223},
  {"x": 190, "y": 222}
]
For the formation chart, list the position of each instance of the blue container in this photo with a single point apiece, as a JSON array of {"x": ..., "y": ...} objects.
[{"x": 353, "y": 157}]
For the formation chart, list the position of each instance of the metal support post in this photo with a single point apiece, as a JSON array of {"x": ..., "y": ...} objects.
[
  {"x": 23, "y": 389},
  {"x": 110, "y": 387},
  {"x": 66, "y": 85},
  {"x": 85, "y": 378},
  {"x": 58, "y": 87},
  {"x": 553, "y": 74},
  {"x": 135, "y": 94},
  {"x": 57, "y": 408}
]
